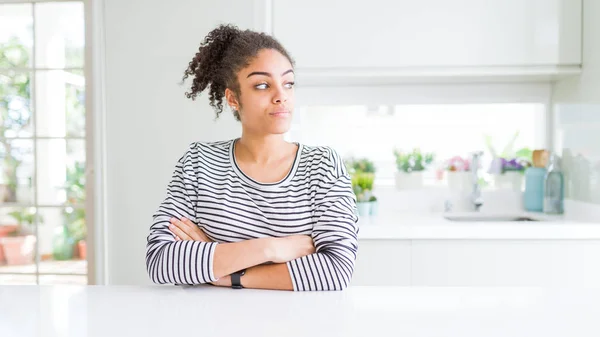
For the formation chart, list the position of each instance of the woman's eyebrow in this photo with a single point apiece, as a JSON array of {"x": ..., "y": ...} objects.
[{"x": 269, "y": 74}]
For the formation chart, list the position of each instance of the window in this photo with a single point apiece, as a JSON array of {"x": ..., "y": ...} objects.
[
  {"x": 446, "y": 130},
  {"x": 42, "y": 143}
]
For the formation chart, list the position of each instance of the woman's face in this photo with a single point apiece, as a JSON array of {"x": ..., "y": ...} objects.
[{"x": 267, "y": 94}]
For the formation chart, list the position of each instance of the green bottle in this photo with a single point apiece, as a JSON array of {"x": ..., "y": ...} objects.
[{"x": 553, "y": 187}]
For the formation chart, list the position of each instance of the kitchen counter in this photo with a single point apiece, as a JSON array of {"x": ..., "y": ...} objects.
[
  {"x": 407, "y": 226},
  {"x": 358, "y": 311}
]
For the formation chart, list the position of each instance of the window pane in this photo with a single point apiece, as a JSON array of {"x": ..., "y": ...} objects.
[
  {"x": 63, "y": 279},
  {"x": 447, "y": 130},
  {"x": 60, "y": 102},
  {"x": 16, "y": 176},
  {"x": 17, "y": 240},
  {"x": 16, "y": 36},
  {"x": 61, "y": 172},
  {"x": 16, "y": 117},
  {"x": 60, "y": 234},
  {"x": 59, "y": 35},
  {"x": 16, "y": 279}
]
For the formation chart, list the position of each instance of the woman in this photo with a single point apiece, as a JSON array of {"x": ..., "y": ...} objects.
[{"x": 256, "y": 211}]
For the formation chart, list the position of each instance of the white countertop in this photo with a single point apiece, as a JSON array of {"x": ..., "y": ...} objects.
[
  {"x": 407, "y": 226},
  {"x": 358, "y": 311}
]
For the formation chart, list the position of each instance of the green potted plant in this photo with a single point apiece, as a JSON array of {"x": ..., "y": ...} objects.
[
  {"x": 410, "y": 167},
  {"x": 362, "y": 172},
  {"x": 19, "y": 245},
  {"x": 362, "y": 185}
]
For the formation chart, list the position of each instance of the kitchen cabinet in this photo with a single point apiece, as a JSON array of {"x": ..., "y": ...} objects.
[
  {"x": 443, "y": 262},
  {"x": 505, "y": 263},
  {"x": 402, "y": 39},
  {"x": 382, "y": 262}
]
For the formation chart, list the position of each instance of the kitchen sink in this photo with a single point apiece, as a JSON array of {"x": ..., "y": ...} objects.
[{"x": 487, "y": 217}]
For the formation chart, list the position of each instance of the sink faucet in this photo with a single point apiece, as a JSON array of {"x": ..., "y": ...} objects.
[{"x": 476, "y": 199}]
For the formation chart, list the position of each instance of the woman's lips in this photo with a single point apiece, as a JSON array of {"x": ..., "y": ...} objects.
[{"x": 279, "y": 113}]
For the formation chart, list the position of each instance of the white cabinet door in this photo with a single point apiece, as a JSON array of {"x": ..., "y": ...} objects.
[
  {"x": 505, "y": 262},
  {"x": 382, "y": 263},
  {"x": 383, "y": 34}
]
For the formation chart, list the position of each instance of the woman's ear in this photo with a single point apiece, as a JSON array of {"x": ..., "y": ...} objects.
[{"x": 231, "y": 99}]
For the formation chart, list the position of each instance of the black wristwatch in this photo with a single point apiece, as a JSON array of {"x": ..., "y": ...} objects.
[{"x": 236, "y": 282}]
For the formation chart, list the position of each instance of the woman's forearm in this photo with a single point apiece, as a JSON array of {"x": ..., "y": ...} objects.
[
  {"x": 270, "y": 276},
  {"x": 231, "y": 257}
]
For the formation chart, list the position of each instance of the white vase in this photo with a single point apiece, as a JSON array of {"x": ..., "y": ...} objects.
[
  {"x": 459, "y": 180},
  {"x": 509, "y": 180},
  {"x": 406, "y": 181}
]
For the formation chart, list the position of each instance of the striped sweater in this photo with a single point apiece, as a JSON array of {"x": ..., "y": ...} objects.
[{"x": 208, "y": 187}]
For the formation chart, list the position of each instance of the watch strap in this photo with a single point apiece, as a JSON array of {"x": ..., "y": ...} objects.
[{"x": 236, "y": 282}]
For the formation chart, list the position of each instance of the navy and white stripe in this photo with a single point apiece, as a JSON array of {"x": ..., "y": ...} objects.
[{"x": 208, "y": 187}]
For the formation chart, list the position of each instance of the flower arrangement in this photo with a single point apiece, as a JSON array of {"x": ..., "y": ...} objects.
[
  {"x": 457, "y": 164},
  {"x": 514, "y": 164},
  {"x": 509, "y": 160}
]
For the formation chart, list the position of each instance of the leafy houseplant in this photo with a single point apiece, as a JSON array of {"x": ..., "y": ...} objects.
[
  {"x": 24, "y": 217},
  {"x": 362, "y": 185},
  {"x": 15, "y": 113},
  {"x": 414, "y": 161},
  {"x": 362, "y": 173},
  {"x": 410, "y": 166},
  {"x": 19, "y": 245}
]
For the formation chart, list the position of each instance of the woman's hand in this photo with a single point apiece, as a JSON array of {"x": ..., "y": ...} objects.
[
  {"x": 291, "y": 247},
  {"x": 185, "y": 229},
  {"x": 224, "y": 281}
]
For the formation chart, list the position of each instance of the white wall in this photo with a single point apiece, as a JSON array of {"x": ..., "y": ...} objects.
[
  {"x": 577, "y": 116},
  {"x": 149, "y": 121}
]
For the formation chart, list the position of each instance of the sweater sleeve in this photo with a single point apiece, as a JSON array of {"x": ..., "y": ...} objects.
[
  {"x": 334, "y": 234},
  {"x": 179, "y": 262}
]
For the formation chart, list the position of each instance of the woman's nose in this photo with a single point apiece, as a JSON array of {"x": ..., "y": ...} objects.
[{"x": 280, "y": 96}]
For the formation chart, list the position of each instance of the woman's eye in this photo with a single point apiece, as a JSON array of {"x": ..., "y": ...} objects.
[
  {"x": 261, "y": 86},
  {"x": 289, "y": 85}
]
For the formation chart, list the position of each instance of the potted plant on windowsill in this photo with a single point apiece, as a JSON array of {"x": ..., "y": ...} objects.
[
  {"x": 458, "y": 173},
  {"x": 410, "y": 167},
  {"x": 508, "y": 167},
  {"x": 362, "y": 185},
  {"x": 19, "y": 245},
  {"x": 362, "y": 173}
]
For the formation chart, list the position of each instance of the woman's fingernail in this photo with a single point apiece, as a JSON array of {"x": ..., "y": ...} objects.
[{"x": 183, "y": 219}]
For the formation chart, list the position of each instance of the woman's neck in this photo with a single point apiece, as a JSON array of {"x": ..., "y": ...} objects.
[{"x": 261, "y": 149}]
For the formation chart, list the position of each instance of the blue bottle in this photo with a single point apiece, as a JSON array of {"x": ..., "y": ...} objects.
[
  {"x": 553, "y": 187},
  {"x": 533, "y": 197}
]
